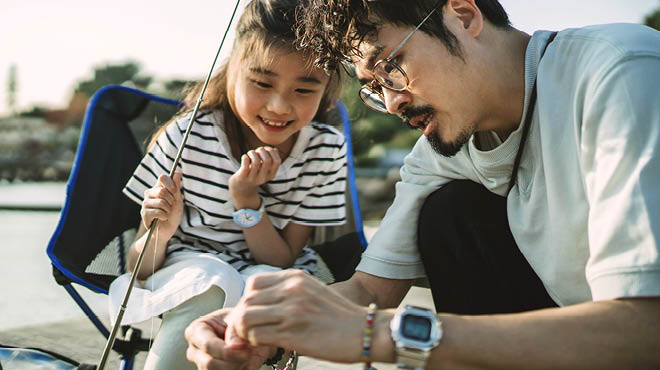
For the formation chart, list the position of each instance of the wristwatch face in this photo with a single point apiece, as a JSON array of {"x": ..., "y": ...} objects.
[
  {"x": 247, "y": 217},
  {"x": 416, "y": 328}
]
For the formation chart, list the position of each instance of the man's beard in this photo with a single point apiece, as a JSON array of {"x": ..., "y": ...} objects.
[
  {"x": 444, "y": 148},
  {"x": 448, "y": 149}
]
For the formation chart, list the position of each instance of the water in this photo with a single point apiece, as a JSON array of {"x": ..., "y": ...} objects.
[{"x": 28, "y": 293}]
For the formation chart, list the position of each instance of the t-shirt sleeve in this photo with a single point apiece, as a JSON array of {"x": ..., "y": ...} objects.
[
  {"x": 392, "y": 252},
  {"x": 620, "y": 141},
  {"x": 325, "y": 204},
  {"x": 157, "y": 161}
]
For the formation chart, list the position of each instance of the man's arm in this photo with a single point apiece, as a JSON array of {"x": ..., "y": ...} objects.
[
  {"x": 616, "y": 334},
  {"x": 363, "y": 289}
]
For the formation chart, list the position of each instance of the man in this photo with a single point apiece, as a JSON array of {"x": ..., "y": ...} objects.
[{"x": 532, "y": 202}]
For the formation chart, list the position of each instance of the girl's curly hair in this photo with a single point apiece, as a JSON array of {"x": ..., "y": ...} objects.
[{"x": 333, "y": 29}]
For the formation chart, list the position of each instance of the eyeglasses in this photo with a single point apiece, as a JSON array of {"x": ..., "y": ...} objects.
[{"x": 387, "y": 74}]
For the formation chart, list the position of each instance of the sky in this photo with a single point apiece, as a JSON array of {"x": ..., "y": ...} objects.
[{"x": 55, "y": 44}]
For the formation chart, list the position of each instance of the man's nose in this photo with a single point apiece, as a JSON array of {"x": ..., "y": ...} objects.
[{"x": 396, "y": 101}]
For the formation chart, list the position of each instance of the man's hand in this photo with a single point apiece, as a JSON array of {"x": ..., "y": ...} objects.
[
  {"x": 208, "y": 350},
  {"x": 293, "y": 310}
]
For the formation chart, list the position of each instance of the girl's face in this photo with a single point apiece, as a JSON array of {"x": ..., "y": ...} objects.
[{"x": 276, "y": 99}]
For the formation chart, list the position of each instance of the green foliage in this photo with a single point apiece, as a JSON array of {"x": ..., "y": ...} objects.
[
  {"x": 35, "y": 112},
  {"x": 174, "y": 88},
  {"x": 653, "y": 20},
  {"x": 114, "y": 74}
]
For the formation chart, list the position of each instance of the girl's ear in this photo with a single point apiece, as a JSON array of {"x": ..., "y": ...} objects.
[{"x": 467, "y": 14}]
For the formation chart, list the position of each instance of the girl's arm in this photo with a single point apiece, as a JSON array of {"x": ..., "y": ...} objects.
[
  {"x": 267, "y": 245},
  {"x": 165, "y": 203},
  {"x": 271, "y": 247}
]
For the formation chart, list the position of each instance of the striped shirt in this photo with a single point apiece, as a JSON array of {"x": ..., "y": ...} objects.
[{"x": 308, "y": 188}]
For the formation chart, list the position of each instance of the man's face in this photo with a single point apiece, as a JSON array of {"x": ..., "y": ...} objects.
[{"x": 443, "y": 95}]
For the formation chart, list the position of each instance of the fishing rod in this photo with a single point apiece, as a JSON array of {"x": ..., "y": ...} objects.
[{"x": 113, "y": 334}]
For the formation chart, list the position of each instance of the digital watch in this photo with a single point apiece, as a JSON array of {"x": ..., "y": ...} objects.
[{"x": 415, "y": 332}]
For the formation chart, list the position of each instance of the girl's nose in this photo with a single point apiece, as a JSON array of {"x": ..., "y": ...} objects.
[{"x": 279, "y": 104}]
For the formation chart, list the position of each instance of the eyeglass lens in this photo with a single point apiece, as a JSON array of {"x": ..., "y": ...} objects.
[
  {"x": 372, "y": 99},
  {"x": 390, "y": 76}
]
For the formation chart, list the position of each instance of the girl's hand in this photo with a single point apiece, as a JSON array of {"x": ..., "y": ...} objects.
[
  {"x": 257, "y": 168},
  {"x": 165, "y": 203}
]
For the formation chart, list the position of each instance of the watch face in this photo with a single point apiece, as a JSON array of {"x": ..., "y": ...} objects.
[
  {"x": 416, "y": 328},
  {"x": 247, "y": 217}
]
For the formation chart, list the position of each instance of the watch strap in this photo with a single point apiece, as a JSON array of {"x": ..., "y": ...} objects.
[{"x": 409, "y": 358}]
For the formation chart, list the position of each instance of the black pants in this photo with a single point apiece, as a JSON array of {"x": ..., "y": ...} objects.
[{"x": 471, "y": 259}]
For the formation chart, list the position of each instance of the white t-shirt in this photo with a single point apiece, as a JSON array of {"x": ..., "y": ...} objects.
[{"x": 585, "y": 211}]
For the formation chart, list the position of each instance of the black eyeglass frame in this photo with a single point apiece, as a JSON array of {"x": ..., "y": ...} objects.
[{"x": 375, "y": 86}]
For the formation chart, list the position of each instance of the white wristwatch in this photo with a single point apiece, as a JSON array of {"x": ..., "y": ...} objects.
[
  {"x": 415, "y": 332},
  {"x": 249, "y": 217}
]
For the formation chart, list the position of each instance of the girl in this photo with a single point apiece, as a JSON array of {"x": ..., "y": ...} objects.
[{"x": 254, "y": 179}]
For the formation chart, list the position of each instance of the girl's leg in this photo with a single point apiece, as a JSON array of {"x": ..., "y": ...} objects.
[
  {"x": 168, "y": 349},
  {"x": 471, "y": 259}
]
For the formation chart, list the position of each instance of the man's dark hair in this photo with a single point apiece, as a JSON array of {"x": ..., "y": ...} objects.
[{"x": 333, "y": 29}]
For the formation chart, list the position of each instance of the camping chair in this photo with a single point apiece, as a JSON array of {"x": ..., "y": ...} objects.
[{"x": 97, "y": 222}]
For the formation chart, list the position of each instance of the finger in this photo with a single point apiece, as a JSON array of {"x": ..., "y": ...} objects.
[
  {"x": 268, "y": 279},
  {"x": 268, "y": 162},
  {"x": 264, "y": 154},
  {"x": 256, "y": 316},
  {"x": 167, "y": 182},
  {"x": 204, "y": 361},
  {"x": 255, "y": 163},
  {"x": 232, "y": 339},
  {"x": 157, "y": 204},
  {"x": 160, "y": 192},
  {"x": 244, "y": 169},
  {"x": 276, "y": 160},
  {"x": 177, "y": 179},
  {"x": 205, "y": 339}
]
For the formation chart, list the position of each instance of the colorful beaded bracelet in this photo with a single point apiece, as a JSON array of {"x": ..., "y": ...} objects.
[{"x": 367, "y": 337}]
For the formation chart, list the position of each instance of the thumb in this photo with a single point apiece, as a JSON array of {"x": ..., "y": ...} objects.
[
  {"x": 232, "y": 339},
  {"x": 177, "y": 177},
  {"x": 245, "y": 165}
]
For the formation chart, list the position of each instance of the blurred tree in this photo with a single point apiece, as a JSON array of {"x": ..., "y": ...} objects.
[
  {"x": 12, "y": 88},
  {"x": 175, "y": 88},
  {"x": 653, "y": 20},
  {"x": 111, "y": 74},
  {"x": 35, "y": 112}
]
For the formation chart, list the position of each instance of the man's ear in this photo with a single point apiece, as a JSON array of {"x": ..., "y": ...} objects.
[{"x": 467, "y": 14}]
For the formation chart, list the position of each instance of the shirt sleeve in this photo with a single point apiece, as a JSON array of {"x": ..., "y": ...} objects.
[
  {"x": 392, "y": 253},
  {"x": 325, "y": 204},
  {"x": 157, "y": 161},
  {"x": 620, "y": 141}
]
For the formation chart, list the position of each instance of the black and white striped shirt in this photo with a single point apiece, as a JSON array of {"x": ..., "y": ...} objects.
[{"x": 308, "y": 188}]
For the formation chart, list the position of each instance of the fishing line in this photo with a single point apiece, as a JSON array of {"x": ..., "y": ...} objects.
[
  {"x": 153, "y": 282},
  {"x": 154, "y": 223}
]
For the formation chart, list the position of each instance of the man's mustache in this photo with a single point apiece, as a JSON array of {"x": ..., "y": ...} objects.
[{"x": 408, "y": 114}]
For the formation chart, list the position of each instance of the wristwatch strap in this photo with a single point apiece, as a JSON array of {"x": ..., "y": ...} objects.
[{"x": 408, "y": 358}]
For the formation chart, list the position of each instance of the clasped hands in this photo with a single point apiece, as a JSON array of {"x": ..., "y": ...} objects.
[{"x": 288, "y": 309}]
